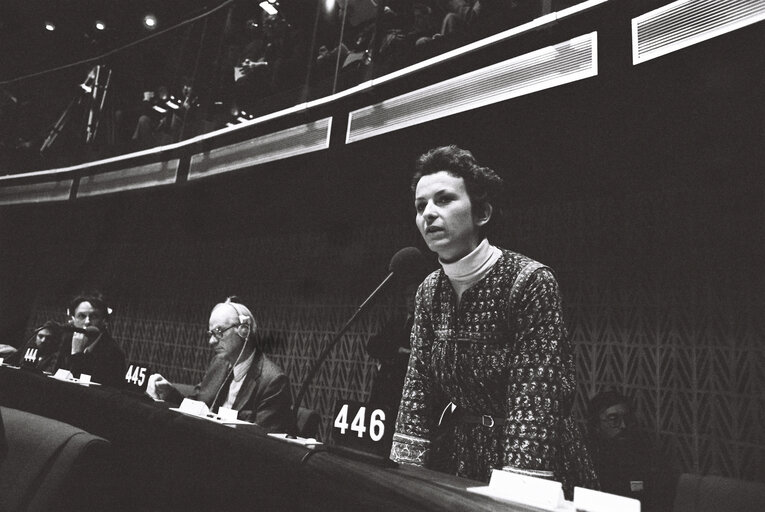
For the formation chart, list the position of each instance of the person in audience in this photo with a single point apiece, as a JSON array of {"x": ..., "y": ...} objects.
[
  {"x": 93, "y": 352},
  {"x": 626, "y": 462},
  {"x": 239, "y": 376},
  {"x": 46, "y": 340},
  {"x": 491, "y": 377},
  {"x": 144, "y": 134}
]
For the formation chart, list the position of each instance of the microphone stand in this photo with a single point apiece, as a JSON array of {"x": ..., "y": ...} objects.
[{"x": 331, "y": 345}]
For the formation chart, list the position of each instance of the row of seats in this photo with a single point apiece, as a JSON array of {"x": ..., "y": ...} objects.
[{"x": 50, "y": 465}]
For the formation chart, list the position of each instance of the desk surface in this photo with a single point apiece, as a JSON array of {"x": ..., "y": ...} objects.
[{"x": 172, "y": 462}]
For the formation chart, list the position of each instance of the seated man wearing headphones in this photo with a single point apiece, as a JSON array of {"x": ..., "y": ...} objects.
[
  {"x": 90, "y": 349},
  {"x": 239, "y": 376}
]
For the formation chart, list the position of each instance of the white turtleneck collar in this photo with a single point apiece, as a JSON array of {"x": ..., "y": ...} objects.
[{"x": 470, "y": 269}]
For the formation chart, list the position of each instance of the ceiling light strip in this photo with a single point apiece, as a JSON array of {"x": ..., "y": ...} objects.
[
  {"x": 687, "y": 22},
  {"x": 287, "y": 143},
  {"x": 548, "y": 67}
]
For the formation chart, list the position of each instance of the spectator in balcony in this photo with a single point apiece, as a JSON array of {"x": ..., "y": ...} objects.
[{"x": 252, "y": 68}]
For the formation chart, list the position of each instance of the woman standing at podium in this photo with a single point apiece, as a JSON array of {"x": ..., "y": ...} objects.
[{"x": 491, "y": 380}]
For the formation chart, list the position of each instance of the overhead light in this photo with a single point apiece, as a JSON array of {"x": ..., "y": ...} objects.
[
  {"x": 150, "y": 21},
  {"x": 100, "y": 25},
  {"x": 50, "y": 27},
  {"x": 270, "y": 9}
]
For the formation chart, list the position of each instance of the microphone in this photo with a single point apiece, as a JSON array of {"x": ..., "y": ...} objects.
[{"x": 409, "y": 264}]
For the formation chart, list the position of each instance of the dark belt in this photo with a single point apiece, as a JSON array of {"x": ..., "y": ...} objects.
[{"x": 485, "y": 420}]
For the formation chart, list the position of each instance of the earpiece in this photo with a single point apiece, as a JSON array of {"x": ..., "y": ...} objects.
[{"x": 244, "y": 319}]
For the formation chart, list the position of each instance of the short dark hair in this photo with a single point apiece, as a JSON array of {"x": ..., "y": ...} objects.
[
  {"x": 95, "y": 299},
  {"x": 483, "y": 185}
]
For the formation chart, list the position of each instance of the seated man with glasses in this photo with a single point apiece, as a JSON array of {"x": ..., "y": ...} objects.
[
  {"x": 88, "y": 347},
  {"x": 625, "y": 460},
  {"x": 239, "y": 376}
]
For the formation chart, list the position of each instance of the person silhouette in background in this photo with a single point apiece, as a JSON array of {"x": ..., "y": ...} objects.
[
  {"x": 626, "y": 462},
  {"x": 46, "y": 341}
]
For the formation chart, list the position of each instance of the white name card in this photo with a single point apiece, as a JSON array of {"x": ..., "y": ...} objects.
[
  {"x": 1, "y": 361},
  {"x": 527, "y": 490},
  {"x": 194, "y": 407},
  {"x": 63, "y": 374},
  {"x": 588, "y": 500},
  {"x": 227, "y": 414},
  {"x": 84, "y": 378}
]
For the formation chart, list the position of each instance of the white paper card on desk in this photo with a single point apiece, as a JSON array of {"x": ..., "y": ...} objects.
[
  {"x": 194, "y": 407},
  {"x": 588, "y": 500},
  {"x": 1, "y": 361},
  {"x": 63, "y": 374},
  {"x": 527, "y": 490},
  {"x": 227, "y": 414},
  {"x": 84, "y": 378}
]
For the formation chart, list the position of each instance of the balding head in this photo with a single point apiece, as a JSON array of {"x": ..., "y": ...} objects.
[{"x": 231, "y": 324}]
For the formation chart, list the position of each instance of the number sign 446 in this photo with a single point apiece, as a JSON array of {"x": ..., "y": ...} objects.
[{"x": 375, "y": 420}]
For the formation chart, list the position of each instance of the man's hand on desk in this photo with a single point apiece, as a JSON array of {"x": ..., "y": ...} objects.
[{"x": 158, "y": 388}]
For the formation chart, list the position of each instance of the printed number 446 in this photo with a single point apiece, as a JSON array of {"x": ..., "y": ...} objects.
[{"x": 358, "y": 425}]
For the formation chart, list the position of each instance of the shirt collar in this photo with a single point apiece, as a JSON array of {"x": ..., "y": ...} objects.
[{"x": 242, "y": 367}]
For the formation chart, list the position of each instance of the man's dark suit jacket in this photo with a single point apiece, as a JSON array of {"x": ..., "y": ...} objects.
[
  {"x": 264, "y": 398},
  {"x": 105, "y": 363}
]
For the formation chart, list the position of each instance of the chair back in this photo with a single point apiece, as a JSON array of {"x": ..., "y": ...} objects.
[
  {"x": 699, "y": 493},
  {"x": 43, "y": 455}
]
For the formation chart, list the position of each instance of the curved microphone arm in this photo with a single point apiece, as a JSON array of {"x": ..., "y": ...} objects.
[{"x": 332, "y": 343}]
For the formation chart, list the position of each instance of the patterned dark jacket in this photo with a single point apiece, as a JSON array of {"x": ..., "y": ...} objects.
[{"x": 503, "y": 357}]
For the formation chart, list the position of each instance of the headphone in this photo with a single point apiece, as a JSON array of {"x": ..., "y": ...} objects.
[
  {"x": 96, "y": 301},
  {"x": 244, "y": 319}
]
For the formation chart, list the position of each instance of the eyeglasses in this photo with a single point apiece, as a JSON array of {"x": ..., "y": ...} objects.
[
  {"x": 218, "y": 332},
  {"x": 615, "y": 420}
]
